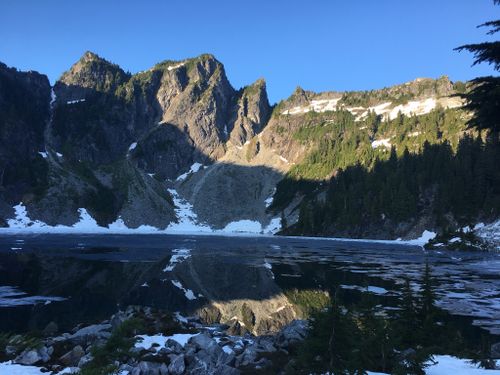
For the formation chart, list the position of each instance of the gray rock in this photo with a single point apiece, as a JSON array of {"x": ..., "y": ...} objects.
[
  {"x": 203, "y": 341},
  {"x": 33, "y": 356},
  {"x": 150, "y": 368},
  {"x": 174, "y": 346},
  {"x": 293, "y": 333},
  {"x": 177, "y": 365},
  {"x": 72, "y": 358},
  {"x": 85, "y": 359}
]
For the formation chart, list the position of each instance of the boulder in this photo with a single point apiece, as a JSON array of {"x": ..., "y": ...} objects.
[
  {"x": 72, "y": 358},
  {"x": 33, "y": 356},
  {"x": 293, "y": 333},
  {"x": 150, "y": 368},
  {"x": 177, "y": 364}
]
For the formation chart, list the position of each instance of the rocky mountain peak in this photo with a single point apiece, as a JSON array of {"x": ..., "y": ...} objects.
[{"x": 93, "y": 72}]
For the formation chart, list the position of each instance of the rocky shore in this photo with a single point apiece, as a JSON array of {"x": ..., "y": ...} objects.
[{"x": 146, "y": 341}]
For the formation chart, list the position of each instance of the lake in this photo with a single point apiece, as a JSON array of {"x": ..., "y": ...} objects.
[{"x": 73, "y": 279}]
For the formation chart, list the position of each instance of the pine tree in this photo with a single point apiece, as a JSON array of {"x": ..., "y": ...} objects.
[
  {"x": 427, "y": 311},
  {"x": 484, "y": 97}
]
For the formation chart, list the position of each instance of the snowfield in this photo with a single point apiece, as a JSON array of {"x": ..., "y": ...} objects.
[{"x": 415, "y": 107}]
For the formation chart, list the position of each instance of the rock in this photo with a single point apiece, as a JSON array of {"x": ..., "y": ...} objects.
[
  {"x": 266, "y": 344},
  {"x": 72, "y": 358},
  {"x": 90, "y": 334},
  {"x": 85, "y": 359},
  {"x": 209, "y": 314},
  {"x": 177, "y": 365},
  {"x": 203, "y": 341},
  {"x": 248, "y": 356},
  {"x": 50, "y": 329},
  {"x": 237, "y": 328},
  {"x": 293, "y": 333},
  {"x": 33, "y": 356},
  {"x": 174, "y": 346},
  {"x": 495, "y": 351},
  {"x": 150, "y": 368}
]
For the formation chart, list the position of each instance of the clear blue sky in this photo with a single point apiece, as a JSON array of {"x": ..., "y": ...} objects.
[{"x": 317, "y": 44}]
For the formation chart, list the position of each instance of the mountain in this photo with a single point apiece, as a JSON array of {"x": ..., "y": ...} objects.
[{"x": 177, "y": 146}]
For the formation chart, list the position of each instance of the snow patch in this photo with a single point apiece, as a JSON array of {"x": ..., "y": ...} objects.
[
  {"x": 423, "y": 239},
  {"x": 147, "y": 341},
  {"x": 382, "y": 143},
  {"x": 132, "y": 146},
  {"x": 194, "y": 168},
  {"x": 43, "y": 154},
  {"x": 172, "y": 67},
  {"x": 178, "y": 256},
  {"x": 75, "y": 101},
  {"x": 187, "y": 292},
  {"x": 243, "y": 226},
  {"x": 187, "y": 219}
]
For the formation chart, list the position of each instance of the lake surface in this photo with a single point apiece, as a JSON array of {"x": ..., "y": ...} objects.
[{"x": 74, "y": 279}]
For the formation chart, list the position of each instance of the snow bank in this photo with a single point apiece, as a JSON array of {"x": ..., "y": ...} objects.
[
  {"x": 246, "y": 226},
  {"x": 451, "y": 365},
  {"x": 9, "y": 368},
  {"x": 423, "y": 239}
]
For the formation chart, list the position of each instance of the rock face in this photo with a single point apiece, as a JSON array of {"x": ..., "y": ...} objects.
[
  {"x": 111, "y": 143},
  {"x": 24, "y": 114}
]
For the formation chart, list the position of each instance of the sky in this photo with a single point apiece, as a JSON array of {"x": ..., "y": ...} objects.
[{"x": 320, "y": 45}]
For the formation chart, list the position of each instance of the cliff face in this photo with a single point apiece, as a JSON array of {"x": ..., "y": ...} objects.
[
  {"x": 24, "y": 114},
  {"x": 115, "y": 143}
]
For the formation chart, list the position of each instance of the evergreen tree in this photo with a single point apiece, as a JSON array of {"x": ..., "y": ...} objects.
[
  {"x": 484, "y": 97},
  {"x": 427, "y": 311}
]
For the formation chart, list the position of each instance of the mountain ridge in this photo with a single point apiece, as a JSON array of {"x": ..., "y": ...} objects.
[{"x": 115, "y": 142}]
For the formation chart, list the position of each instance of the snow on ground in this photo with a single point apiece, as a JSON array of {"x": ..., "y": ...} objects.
[
  {"x": 415, "y": 107},
  {"x": 53, "y": 97},
  {"x": 247, "y": 226},
  {"x": 451, "y": 365},
  {"x": 75, "y": 101},
  {"x": 178, "y": 256},
  {"x": 448, "y": 365},
  {"x": 187, "y": 218},
  {"x": 269, "y": 200},
  {"x": 382, "y": 143},
  {"x": 43, "y": 154},
  {"x": 194, "y": 168},
  {"x": 489, "y": 233},
  {"x": 147, "y": 342},
  {"x": 187, "y": 292},
  {"x": 423, "y": 239},
  {"x": 59, "y": 155},
  {"x": 132, "y": 146},
  {"x": 9, "y": 368},
  {"x": 188, "y": 224},
  {"x": 321, "y": 105},
  {"x": 172, "y": 67}
]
